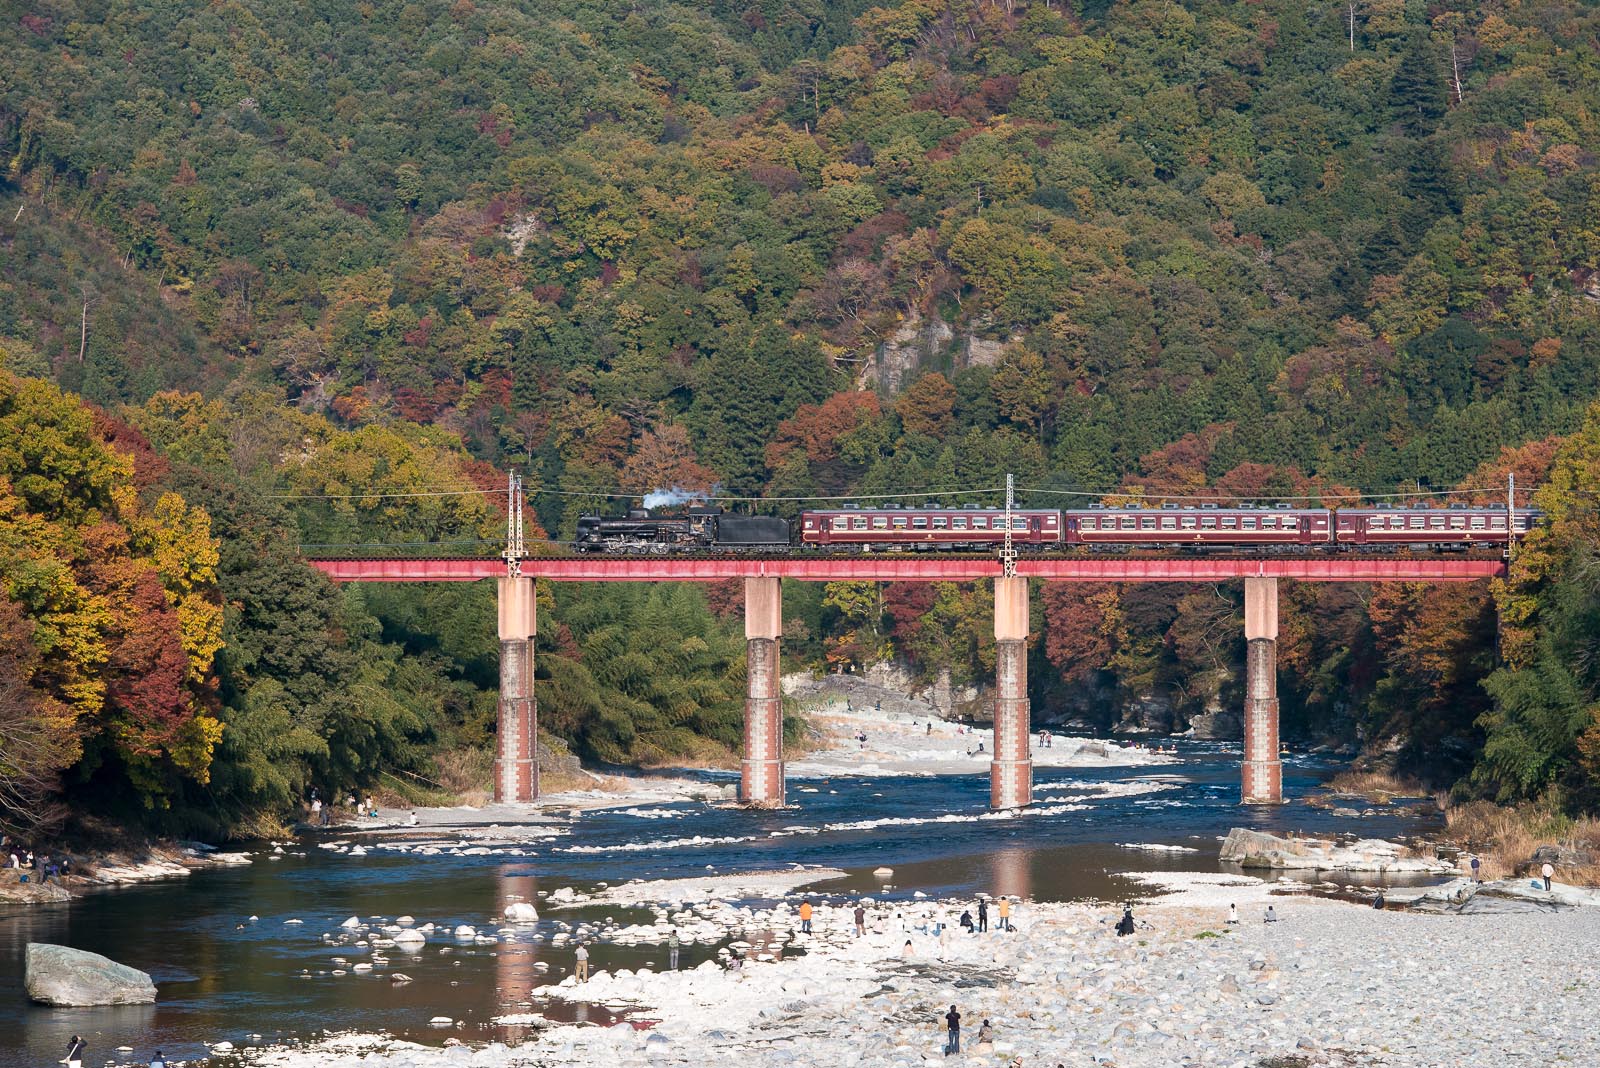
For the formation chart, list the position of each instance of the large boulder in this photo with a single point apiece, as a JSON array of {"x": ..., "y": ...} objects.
[
  {"x": 58, "y": 975},
  {"x": 1561, "y": 856}
]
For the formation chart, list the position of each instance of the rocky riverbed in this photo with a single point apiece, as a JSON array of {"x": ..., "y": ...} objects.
[{"x": 1329, "y": 984}]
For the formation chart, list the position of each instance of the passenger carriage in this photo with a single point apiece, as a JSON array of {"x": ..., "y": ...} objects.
[
  {"x": 929, "y": 528},
  {"x": 1206, "y": 526},
  {"x": 1455, "y": 526}
]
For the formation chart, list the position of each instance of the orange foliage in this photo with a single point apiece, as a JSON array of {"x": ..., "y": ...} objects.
[
  {"x": 815, "y": 429},
  {"x": 928, "y": 407}
]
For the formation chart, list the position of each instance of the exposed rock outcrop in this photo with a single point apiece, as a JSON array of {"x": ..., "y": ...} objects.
[
  {"x": 1467, "y": 898},
  {"x": 1256, "y": 849},
  {"x": 62, "y": 976}
]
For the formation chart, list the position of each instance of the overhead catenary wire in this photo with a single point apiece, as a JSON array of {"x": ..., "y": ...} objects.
[{"x": 971, "y": 491}]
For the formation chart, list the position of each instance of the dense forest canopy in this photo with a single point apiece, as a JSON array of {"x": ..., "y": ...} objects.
[{"x": 285, "y": 253}]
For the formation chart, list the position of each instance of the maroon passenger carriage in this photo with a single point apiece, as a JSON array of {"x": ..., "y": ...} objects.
[
  {"x": 929, "y": 528},
  {"x": 1206, "y": 526},
  {"x": 1454, "y": 526}
]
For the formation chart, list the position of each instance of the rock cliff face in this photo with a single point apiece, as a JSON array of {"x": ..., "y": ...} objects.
[
  {"x": 927, "y": 342},
  {"x": 60, "y": 976},
  {"x": 918, "y": 342}
]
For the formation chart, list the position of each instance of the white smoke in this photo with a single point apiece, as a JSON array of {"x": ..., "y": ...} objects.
[{"x": 669, "y": 498}]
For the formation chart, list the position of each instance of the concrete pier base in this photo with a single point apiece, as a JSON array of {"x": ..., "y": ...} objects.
[
  {"x": 516, "y": 764},
  {"x": 1011, "y": 768},
  {"x": 761, "y": 769},
  {"x": 1263, "y": 770}
]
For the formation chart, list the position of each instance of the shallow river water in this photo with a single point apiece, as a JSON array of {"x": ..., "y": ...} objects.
[{"x": 222, "y": 976}]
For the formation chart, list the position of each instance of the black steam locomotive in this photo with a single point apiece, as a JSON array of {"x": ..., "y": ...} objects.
[{"x": 699, "y": 528}]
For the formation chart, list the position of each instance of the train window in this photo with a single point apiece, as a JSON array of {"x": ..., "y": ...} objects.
[
  {"x": 1290, "y": 522},
  {"x": 880, "y": 522},
  {"x": 1415, "y": 522},
  {"x": 1436, "y": 522},
  {"x": 1269, "y": 522},
  {"x": 1377, "y": 522},
  {"x": 920, "y": 522},
  {"x": 1248, "y": 522},
  {"x": 1498, "y": 522},
  {"x": 940, "y": 522},
  {"x": 1018, "y": 523},
  {"x": 859, "y": 523},
  {"x": 1169, "y": 523},
  {"x": 1147, "y": 522},
  {"x": 841, "y": 522},
  {"x": 898, "y": 522},
  {"x": 1050, "y": 520},
  {"x": 959, "y": 522},
  {"x": 1477, "y": 522},
  {"x": 1187, "y": 522},
  {"x": 1458, "y": 522},
  {"x": 980, "y": 522},
  {"x": 1229, "y": 522},
  {"x": 1127, "y": 522},
  {"x": 1208, "y": 522},
  {"x": 1089, "y": 522}
]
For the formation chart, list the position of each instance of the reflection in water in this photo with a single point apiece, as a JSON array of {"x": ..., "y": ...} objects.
[
  {"x": 515, "y": 975},
  {"x": 1010, "y": 873}
]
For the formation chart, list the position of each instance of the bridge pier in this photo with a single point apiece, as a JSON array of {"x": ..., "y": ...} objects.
[
  {"x": 516, "y": 760},
  {"x": 1011, "y": 767},
  {"x": 761, "y": 769},
  {"x": 1263, "y": 770}
]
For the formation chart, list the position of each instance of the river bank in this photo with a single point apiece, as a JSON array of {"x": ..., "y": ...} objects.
[
  {"x": 1329, "y": 984},
  {"x": 99, "y": 869}
]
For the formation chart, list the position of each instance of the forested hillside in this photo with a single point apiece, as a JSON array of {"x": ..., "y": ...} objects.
[{"x": 291, "y": 253}]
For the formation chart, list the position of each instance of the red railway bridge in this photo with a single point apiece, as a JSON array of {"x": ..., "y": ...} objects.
[{"x": 1010, "y": 769}]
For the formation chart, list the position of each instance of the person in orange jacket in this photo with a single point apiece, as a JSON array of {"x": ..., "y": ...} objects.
[{"x": 805, "y": 917}]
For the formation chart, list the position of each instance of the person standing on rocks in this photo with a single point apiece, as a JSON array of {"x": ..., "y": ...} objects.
[
  {"x": 1005, "y": 913},
  {"x": 581, "y": 956},
  {"x": 805, "y": 917},
  {"x": 75, "y": 1048},
  {"x": 983, "y": 914},
  {"x": 952, "y": 1025},
  {"x": 861, "y": 921},
  {"x": 1233, "y": 915},
  {"x": 1549, "y": 872},
  {"x": 672, "y": 949},
  {"x": 1475, "y": 865}
]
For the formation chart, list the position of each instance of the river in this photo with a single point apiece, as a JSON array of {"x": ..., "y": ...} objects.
[{"x": 222, "y": 975}]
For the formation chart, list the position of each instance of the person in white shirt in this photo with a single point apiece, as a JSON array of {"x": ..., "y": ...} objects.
[{"x": 582, "y": 957}]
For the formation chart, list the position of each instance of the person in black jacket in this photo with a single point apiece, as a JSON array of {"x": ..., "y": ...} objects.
[
  {"x": 1125, "y": 925},
  {"x": 952, "y": 1023}
]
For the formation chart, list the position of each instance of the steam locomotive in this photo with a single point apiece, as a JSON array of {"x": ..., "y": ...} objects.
[
  {"x": 973, "y": 528},
  {"x": 697, "y": 529}
]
